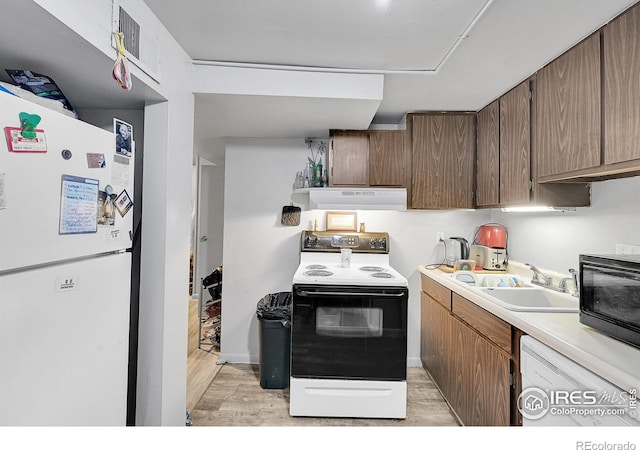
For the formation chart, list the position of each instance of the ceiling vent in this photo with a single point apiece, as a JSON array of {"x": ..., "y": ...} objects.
[
  {"x": 141, "y": 48},
  {"x": 131, "y": 32}
]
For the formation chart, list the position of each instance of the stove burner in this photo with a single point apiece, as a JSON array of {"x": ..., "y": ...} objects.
[
  {"x": 381, "y": 275},
  {"x": 315, "y": 267},
  {"x": 318, "y": 273},
  {"x": 372, "y": 269}
]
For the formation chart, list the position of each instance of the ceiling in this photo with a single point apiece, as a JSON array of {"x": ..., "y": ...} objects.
[
  {"x": 432, "y": 55},
  {"x": 435, "y": 55}
]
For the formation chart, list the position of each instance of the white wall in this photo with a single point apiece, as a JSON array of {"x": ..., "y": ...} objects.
[
  {"x": 554, "y": 240},
  {"x": 261, "y": 255}
]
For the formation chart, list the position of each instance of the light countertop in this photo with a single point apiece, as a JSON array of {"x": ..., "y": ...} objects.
[{"x": 613, "y": 360}]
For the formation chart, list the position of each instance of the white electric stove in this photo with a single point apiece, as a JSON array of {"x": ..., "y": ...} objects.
[{"x": 349, "y": 329}]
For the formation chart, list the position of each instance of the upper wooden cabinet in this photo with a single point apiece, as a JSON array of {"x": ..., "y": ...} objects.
[
  {"x": 349, "y": 158},
  {"x": 568, "y": 94},
  {"x": 386, "y": 158},
  {"x": 504, "y": 150},
  {"x": 442, "y": 160},
  {"x": 621, "y": 42},
  {"x": 515, "y": 146},
  {"x": 367, "y": 158},
  {"x": 488, "y": 156},
  {"x": 505, "y": 162}
]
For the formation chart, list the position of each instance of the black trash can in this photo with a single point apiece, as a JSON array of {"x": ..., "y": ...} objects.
[{"x": 274, "y": 324}]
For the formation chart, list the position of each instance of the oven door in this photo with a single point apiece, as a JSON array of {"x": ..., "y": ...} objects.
[
  {"x": 610, "y": 297},
  {"x": 349, "y": 332}
]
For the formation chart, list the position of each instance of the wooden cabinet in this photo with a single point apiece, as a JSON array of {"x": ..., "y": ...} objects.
[
  {"x": 567, "y": 96},
  {"x": 386, "y": 158},
  {"x": 515, "y": 146},
  {"x": 503, "y": 150},
  {"x": 434, "y": 342},
  {"x": 621, "y": 71},
  {"x": 588, "y": 128},
  {"x": 442, "y": 160},
  {"x": 481, "y": 390},
  {"x": 470, "y": 354},
  {"x": 505, "y": 162},
  {"x": 349, "y": 159},
  {"x": 488, "y": 156},
  {"x": 367, "y": 158}
]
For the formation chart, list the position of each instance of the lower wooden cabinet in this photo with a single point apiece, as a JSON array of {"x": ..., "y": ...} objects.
[
  {"x": 480, "y": 390},
  {"x": 435, "y": 342},
  {"x": 476, "y": 373}
]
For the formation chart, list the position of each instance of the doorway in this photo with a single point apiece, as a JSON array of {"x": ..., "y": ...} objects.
[
  {"x": 207, "y": 219},
  {"x": 206, "y": 249}
]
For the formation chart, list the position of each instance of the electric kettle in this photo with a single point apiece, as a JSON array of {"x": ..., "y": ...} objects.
[{"x": 455, "y": 248}]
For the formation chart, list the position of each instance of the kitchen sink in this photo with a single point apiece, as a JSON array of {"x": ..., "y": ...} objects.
[
  {"x": 531, "y": 300},
  {"x": 493, "y": 280}
]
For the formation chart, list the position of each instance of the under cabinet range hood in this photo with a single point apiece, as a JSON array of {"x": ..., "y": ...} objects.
[{"x": 388, "y": 199}]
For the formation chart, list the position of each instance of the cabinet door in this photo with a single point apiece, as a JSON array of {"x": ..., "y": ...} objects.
[
  {"x": 622, "y": 88},
  {"x": 568, "y": 111},
  {"x": 349, "y": 159},
  {"x": 434, "y": 341},
  {"x": 480, "y": 393},
  {"x": 386, "y": 158},
  {"x": 488, "y": 157},
  {"x": 515, "y": 146},
  {"x": 443, "y": 154}
]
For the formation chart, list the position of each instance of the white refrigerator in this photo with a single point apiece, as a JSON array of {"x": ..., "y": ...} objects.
[{"x": 66, "y": 212}]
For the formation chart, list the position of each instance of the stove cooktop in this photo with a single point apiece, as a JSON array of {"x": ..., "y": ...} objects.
[{"x": 365, "y": 270}]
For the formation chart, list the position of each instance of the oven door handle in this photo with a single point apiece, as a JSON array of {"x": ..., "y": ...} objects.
[{"x": 349, "y": 294}]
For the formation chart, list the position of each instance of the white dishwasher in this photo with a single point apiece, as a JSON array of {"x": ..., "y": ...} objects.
[{"x": 556, "y": 391}]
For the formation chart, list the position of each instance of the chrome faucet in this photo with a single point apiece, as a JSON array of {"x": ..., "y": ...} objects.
[
  {"x": 573, "y": 278},
  {"x": 538, "y": 276}
]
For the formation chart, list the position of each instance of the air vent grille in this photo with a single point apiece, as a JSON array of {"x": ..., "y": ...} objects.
[{"x": 131, "y": 31}]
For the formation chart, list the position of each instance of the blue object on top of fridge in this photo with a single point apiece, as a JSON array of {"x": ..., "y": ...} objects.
[{"x": 65, "y": 275}]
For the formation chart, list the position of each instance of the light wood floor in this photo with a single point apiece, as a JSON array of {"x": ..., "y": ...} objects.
[
  {"x": 202, "y": 364},
  {"x": 230, "y": 395},
  {"x": 235, "y": 398}
]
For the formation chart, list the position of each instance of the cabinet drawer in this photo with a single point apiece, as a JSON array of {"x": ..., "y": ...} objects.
[
  {"x": 495, "y": 329},
  {"x": 437, "y": 291}
]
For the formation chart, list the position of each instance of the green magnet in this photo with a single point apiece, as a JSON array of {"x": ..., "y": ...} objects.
[{"x": 29, "y": 122}]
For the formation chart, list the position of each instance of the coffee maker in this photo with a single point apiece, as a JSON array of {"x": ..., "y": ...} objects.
[{"x": 489, "y": 248}]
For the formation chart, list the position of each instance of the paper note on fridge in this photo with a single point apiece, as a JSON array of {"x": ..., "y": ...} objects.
[
  {"x": 120, "y": 170},
  {"x": 78, "y": 205}
]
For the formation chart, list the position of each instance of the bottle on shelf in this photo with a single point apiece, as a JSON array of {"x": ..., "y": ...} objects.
[
  {"x": 318, "y": 176},
  {"x": 306, "y": 176}
]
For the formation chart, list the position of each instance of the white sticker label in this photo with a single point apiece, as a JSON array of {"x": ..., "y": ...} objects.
[
  {"x": 113, "y": 235},
  {"x": 65, "y": 284}
]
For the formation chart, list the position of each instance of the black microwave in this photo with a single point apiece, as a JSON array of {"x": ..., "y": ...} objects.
[{"x": 610, "y": 295}]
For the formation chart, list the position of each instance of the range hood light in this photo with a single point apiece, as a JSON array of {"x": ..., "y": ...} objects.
[
  {"x": 373, "y": 199},
  {"x": 537, "y": 209}
]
